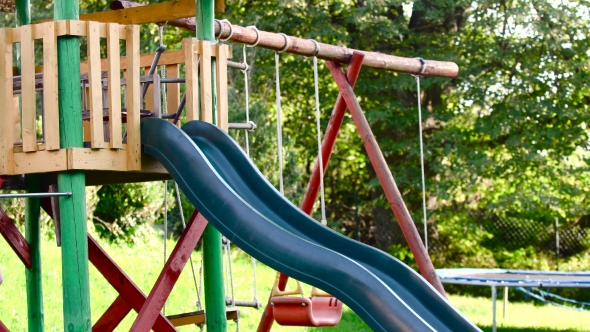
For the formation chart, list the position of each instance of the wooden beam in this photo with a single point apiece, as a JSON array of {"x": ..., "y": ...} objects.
[
  {"x": 7, "y": 121},
  {"x": 121, "y": 282},
  {"x": 187, "y": 242},
  {"x": 113, "y": 316},
  {"x": 159, "y": 12},
  {"x": 14, "y": 238}
]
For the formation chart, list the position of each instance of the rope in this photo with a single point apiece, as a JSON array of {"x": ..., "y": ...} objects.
[
  {"x": 425, "y": 213},
  {"x": 544, "y": 300},
  {"x": 279, "y": 127},
  {"x": 247, "y": 92},
  {"x": 319, "y": 132},
  {"x": 165, "y": 230},
  {"x": 179, "y": 202},
  {"x": 231, "y": 274}
]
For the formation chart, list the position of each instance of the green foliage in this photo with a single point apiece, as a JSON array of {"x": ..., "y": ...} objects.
[{"x": 122, "y": 208}]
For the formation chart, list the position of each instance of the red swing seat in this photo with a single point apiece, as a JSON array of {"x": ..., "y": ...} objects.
[{"x": 321, "y": 309}]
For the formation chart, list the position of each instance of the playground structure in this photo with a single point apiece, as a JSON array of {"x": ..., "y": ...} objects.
[
  {"x": 102, "y": 123},
  {"x": 520, "y": 279}
]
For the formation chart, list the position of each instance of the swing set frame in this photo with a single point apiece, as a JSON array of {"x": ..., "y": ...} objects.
[{"x": 176, "y": 13}]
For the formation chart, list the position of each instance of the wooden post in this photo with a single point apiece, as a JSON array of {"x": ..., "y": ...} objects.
[
  {"x": 192, "y": 80},
  {"x": 394, "y": 197},
  {"x": 212, "y": 259},
  {"x": 32, "y": 184},
  {"x": 76, "y": 290},
  {"x": 32, "y": 234}
]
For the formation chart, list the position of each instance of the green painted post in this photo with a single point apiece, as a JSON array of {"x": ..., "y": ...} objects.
[
  {"x": 76, "y": 290},
  {"x": 32, "y": 222},
  {"x": 213, "y": 266},
  {"x": 34, "y": 278}
]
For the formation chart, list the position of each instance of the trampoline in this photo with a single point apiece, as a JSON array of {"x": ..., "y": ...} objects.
[{"x": 495, "y": 278}]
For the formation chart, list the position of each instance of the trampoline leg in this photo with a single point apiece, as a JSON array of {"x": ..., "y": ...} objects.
[
  {"x": 494, "y": 296},
  {"x": 505, "y": 307}
]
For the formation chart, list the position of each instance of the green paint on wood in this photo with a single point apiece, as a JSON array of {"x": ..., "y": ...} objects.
[
  {"x": 34, "y": 277},
  {"x": 76, "y": 290},
  {"x": 212, "y": 260}
]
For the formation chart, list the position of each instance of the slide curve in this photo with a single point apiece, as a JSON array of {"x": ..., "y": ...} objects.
[{"x": 230, "y": 192}]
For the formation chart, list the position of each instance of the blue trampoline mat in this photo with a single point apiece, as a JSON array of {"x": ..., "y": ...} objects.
[{"x": 514, "y": 278}]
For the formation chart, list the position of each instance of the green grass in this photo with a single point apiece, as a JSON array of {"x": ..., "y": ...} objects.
[{"x": 144, "y": 261}]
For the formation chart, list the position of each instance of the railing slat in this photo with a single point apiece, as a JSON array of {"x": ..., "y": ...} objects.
[
  {"x": 172, "y": 90},
  {"x": 7, "y": 100},
  {"x": 114, "y": 90},
  {"x": 133, "y": 99},
  {"x": 206, "y": 93},
  {"x": 95, "y": 82},
  {"x": 50, "y": 100},
  {"x": 29, "y": 107},
  {"x": 192, "y": 79},
  {"x": 221, "y": 71}
]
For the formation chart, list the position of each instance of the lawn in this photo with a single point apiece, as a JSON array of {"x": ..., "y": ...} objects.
[{"x": 144, "y": 260}]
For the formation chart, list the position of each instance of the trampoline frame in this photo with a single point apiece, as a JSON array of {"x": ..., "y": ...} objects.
[{"x": 464, "y": 276}]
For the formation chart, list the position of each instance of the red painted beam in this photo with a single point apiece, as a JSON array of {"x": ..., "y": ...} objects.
[
  {"x": 169, "y": 275},
  {"x": 113, "y": 316},
  {"x": 313, "y": 186},
  {"x": 3, "y": 327},
  {"x": 386, "y": 179},
  {"x": 15, "y": 239},
  {"x": 122, "y": 283}
]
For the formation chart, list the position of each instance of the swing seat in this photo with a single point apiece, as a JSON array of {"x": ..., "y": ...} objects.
[{"x": 306, "y": 311}]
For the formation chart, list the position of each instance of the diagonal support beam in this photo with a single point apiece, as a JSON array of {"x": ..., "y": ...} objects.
[
  {"x": 169, "y": 275},
  {"x": 113, "y": 316},
  {"x": 313, "y": 186},
  {"x": 122, "y": 283},
  {"x": 15, "y": 239},
  {"x": 3, "y": 327},
  {"x": 386, "y": 179}
]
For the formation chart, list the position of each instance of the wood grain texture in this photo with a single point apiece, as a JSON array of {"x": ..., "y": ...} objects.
[
  {"x": 221, "y": 81},
  {"x": 204, "y": 47},
  {"x": 145, "y": 60},
  {"x": 40, "y": 162},
  {"x": 95, "y": 84},
  {"x": 14, "y": 238},
  {"x": 29, "y": 107},
  {"x": 133, "y": 99},
  {"x": 7, "y": 121},
  {"x": 114, "y": 83},
  {"x": 102, "y": 159},
  {"x": 50, "y": 92},
  {"x": 146, "y": 14},
  {"x": 192, "y": 79}
]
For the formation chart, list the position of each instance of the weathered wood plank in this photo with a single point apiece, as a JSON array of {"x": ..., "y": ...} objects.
[
  {"x": 114, "y": 83},
  {"x": 40, "y": 162},
  {"x": 50, "y": 93},
  {"x": 133, "y": 99},
  {"x": 29, "y": 107},
  {"x": 192, "y": 79},
  {"x": 7, "y": 121},
  {"x": 95, "y": 83},
  {"x": 206, "y": 89},
  {"x": 101, "y": 160},
  {"x": 221, "y": 80}
]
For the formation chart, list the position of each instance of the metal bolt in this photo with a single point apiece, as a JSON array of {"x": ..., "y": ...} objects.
[
  {"x": 272, "y": 304},
  {"x": 303, "y": 304}
]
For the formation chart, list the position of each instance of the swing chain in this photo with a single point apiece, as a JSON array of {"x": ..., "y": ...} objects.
[
  {"x": 319, "y": 132},
  {"x": 424, "y": 211},
  {"x": 279, "y": 124},
  {"x": 165, "y": 230}
]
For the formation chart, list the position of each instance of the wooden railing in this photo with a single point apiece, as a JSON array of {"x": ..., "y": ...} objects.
[{"x": 111, "y": 102}]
